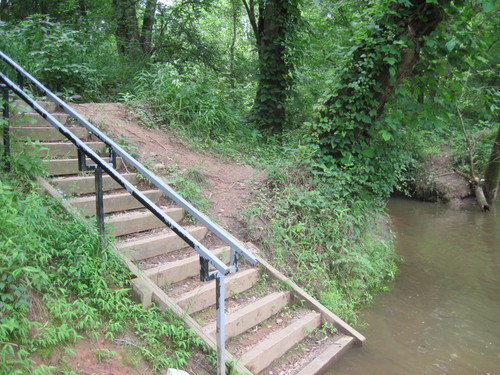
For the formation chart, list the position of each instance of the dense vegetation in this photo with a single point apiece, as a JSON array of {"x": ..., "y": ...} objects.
[
  {"x": 339, "y": 101},
  {"x": 58, "y": 285}
]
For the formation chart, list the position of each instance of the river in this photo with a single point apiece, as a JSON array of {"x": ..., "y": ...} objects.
[{"x": 442, "y": 313}]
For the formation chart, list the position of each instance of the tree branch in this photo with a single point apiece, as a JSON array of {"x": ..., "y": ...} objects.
[{"x": 250, "y": 8}]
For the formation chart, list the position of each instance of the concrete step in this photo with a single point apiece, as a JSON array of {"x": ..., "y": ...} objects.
[
  {"x": 62, "y": 167},
  {"x": 279, "y": 343},
  {"x": 22, "y": 106},
  {"x": 46, "y": 134},
  {"x": 179, "y": 270},
  {"x": 86, "y": 184},
  {"x": 68, "y": 149},
  {"x": 113, "y": 202},
  {"x": 135, "y": 222},
  {"x": 251, "y": 315},
  {"x": 204, "y": 296},
  {"x": 36, "y": 120},
  {"x": 328, "y": 356},
  {"x": 159, "y": 244}
]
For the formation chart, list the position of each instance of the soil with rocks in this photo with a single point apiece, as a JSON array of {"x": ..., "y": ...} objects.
[{"x": 438, "y": 182}]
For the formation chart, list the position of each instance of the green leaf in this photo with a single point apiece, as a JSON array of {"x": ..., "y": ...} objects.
[{"x": 385, "y": 135}]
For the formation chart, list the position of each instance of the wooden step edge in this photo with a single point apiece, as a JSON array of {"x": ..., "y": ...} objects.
[
  {"x": 251, "y": 315},
  {"x": 278, "y": 343},
  {"x": 124, "y": 224},
  {"x": 204, "y": 296},
  {"x": 329, "y": 356},
  {"x": 113, "y": 202},
  {"x": 48, "y": 105},
  {"x": 73, "y": 185},
  {"x": 24, "y": 131},
  {"x": 35, "y": 120},
  {"x": 80, "y": 200},
  {"x": 179, "y": 270},
  {"x": 79, "y": 179},
  {"x": 163, "y": 243},
  {"x": 309, "y": 301},
  {"x": 64, "y": 167}
]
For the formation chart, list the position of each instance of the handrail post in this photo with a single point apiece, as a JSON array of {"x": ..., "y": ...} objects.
[
  {"x": 233, "y": 259},
  {"x": 219, "y": 331},
  {"x": 20, "y": 80},
  {"x": 5, "y": 127},
  {"x": 99, "y": 205}
]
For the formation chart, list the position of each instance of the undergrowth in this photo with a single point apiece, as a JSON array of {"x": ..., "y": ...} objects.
[
  {"x": 338, "y": 248},
  {"x": 58, "y": 285}
]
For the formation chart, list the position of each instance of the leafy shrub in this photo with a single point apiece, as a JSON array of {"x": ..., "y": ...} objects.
[
  {"x": 77, "y": 63},
  {"x": 51, "y": 266},
  {"x": 53, "y": 53},
  {"x": 325, "y": 240},
  {"x": 196, "y": 102}
]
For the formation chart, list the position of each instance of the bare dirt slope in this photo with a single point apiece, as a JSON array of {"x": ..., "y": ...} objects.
[{"x": 228, "y": 185}]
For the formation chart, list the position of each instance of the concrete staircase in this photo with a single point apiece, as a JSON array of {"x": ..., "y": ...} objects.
[{"x": 272, "y": 325}]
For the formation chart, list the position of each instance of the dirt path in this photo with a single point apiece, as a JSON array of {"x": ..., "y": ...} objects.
[{"x": 228, "y": 185}]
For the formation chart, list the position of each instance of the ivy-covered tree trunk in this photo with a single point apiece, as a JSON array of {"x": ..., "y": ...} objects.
[
  {"x": 127, "y": 32},
  {"x": 384, "y": 57},
  {"x": 274, "y": 21},
  {"x": 492, "y": 173}
]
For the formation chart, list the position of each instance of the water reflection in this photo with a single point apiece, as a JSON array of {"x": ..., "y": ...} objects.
[{"x": 442, "y": 315}]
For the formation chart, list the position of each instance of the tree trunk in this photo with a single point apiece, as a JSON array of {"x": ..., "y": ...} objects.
[
  {"x": 378, "y": 65},
  {"x": 127, "y": 36},
  {"x": 270, "y": 31},
  {"x": 147, "y": 26},
  {"x": 273, "y": 71},
  {"x": 4, "y": 10},
  {"x": 492, "y": 173},
  {"x": 82, "y": 8},
  {"x": 234, "y": 13}
]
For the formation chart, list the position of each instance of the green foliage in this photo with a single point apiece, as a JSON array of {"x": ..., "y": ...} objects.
[
  {"x": 198, "y": 104},
  {"x": 457, "y": 71},
  {"x": 52, "y": 267},
  {"x": 51, "y": 52},
  {"x": 77, "y": 62},
  {"x": 326, "y": 241},
  {"x": 25, "y": 165},
  {"x": 350, "y": 134}
]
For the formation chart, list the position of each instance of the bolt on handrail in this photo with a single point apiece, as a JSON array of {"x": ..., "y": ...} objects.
[{"x": 214, "y": 228}]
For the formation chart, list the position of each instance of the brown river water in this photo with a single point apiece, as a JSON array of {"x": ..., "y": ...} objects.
[{"x": 442, "y": 313}]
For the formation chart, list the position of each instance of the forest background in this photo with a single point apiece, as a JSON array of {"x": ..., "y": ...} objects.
[{"x": 339, "y": 102}]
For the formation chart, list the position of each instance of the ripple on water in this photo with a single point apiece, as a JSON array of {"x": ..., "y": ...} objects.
[{"x": 443, "y": 313}]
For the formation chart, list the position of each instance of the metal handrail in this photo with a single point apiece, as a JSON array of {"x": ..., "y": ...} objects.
[
  {"x": 136, "y": 193},
  {"x": 214, "y": 228},
  {"x": 206, "y": 256}
]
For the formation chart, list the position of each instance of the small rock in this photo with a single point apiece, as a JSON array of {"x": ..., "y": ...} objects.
[
  {"x": 279, "y": 321},
  {"x": 172, "y": 371}
]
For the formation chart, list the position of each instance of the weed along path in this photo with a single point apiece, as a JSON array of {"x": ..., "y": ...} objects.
[{"x": 271, "y": 325}]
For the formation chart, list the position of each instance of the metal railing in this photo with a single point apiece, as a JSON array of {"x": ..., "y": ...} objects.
[{"x": 84, "y": 151}]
